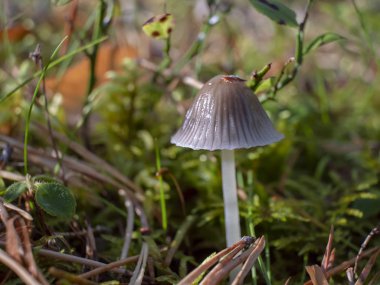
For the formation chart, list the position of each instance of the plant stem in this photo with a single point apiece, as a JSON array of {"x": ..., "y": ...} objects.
[
  {"x": 99, "y": 30},
  {"x": 162, "y": 192},
  {"x": 29, "y": 114},
  {"x": 231, "y": 209}
]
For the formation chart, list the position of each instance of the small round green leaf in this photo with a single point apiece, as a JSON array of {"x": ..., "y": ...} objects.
[
  {"x": 55, "y": 199},
  {"x": 14, "y": 191}
]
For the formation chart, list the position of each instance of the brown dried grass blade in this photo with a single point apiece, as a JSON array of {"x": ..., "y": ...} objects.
[
  {"x": 192, "y": 276},
  {"x": 13, "y": 243},
  {"x": 367, "y": 269},
  {"x": 17, "y": 269},
  {"x": 222, "y": 262},
  {"x": 327, "y": 256},
  {"x": 28, "y": 257},
  {"x": 316, "y": 275},
  {"x": 225, "y": 266},
  {"x": 259, "y": 247},
  {"x": 21, "y": 212},
  {"x": 346, "y": 264},
  {"x": 374, "y": 231}
]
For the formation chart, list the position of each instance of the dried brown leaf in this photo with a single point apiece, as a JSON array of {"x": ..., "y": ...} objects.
[
  {"x": 367, "y": 269},
  {"x": 327, "y": 256},
  {"x": 259, "y": 247},
  {"x": 13, "y": 244},
  {"x": 316, "y": 275},
  {"x": 192, "y": 276}
]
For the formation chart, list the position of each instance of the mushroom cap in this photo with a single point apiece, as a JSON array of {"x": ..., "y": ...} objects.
[{"x": 225, "y": 115}]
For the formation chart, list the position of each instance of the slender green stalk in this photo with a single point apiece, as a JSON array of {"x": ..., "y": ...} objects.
[
  {"x": 282, "y": 81},
  {"x": 162, "y": 192},
  {"x": 36, "y": 90},
  {"x": 167, "y": 59},
  {"x": 99, "y": 30}
]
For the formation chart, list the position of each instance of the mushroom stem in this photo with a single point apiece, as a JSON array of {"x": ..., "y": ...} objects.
[{"x": 231, "y": 209}]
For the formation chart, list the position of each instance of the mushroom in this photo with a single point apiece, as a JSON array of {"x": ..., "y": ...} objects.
[{"x": 226, "y": 115}]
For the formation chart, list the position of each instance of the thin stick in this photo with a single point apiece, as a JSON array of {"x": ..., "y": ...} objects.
[
  {"x": 138, "y": 274},
  {"x": 11, "y": 176},
  {"x": 130, "y": 219},
  {"x": 231, "y": 209},
  {"x": 373, "y": 232},
  {"x": 84, "y": 261},
  {"x": 17, "y": 268},
  {"x": 75, "y": 279}
]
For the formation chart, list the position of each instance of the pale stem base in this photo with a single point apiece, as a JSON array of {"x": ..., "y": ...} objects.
[{"x": 231, "y": 209}]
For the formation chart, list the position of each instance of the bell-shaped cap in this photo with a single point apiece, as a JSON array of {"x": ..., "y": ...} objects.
[{"x": 225, "y": 115}]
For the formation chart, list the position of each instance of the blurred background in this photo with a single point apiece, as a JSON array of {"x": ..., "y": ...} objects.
[{"x": 325, "y": 172}]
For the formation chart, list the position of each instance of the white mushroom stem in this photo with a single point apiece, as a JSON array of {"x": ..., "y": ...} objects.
[{"x": 231, "y": 208}]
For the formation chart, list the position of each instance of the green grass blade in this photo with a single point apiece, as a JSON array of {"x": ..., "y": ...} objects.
[
  {"x": 27, "y": 124},
  {"x": 162, "y": 193}
]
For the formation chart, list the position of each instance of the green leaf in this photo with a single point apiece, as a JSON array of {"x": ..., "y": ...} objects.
[
  {"x": 55, "y": 199},
  {"x": 14, "y": 191},
  {"x": 276, "y": 11},
  {"x": 159, "y": 27},
  {"x": 265, "y": 85},
  {"x": 322, "y": 40}
]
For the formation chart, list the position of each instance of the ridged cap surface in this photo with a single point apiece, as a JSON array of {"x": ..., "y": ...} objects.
[{"x": 225, "y": 115}]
